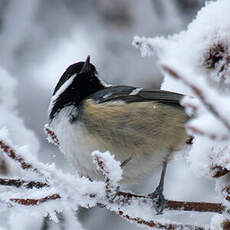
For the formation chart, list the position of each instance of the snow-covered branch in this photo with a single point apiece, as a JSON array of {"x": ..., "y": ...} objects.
[
  {"x": 22, "y": 183},
  {"x": 10, "y": 152},
  {"x": 87, "y": 194}
]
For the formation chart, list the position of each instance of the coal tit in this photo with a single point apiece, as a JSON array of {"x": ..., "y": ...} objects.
[{"x": 141, "y": 128}]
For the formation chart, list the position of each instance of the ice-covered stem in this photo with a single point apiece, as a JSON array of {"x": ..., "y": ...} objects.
[
  {"x": 51, "y": 136},
  {"x": 199, "y": 93},
  {"x": 158, "y": 225},
  {"x": 108, "y": 185},
  {"x": 218, "y": 171},
  {"x": 175, "y": 205},
  {"x": 126, "y": 197},
  {"x": 111, "y": 170},
  {"x": 11, "y": 153},
  {"x": 32, "y": 202},
  {"x": 21, "y": 183}
]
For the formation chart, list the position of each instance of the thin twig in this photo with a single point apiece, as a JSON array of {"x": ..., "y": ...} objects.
[
  {"x": 195, "y": 206},
  {"x": 108, "y": 185},
  {"x": 51, "y": 135},
  {"x": 32, "y": 202},
  {"x": 21, "y": 183},
  {"x": 11, "y": 153},
  {"x": 218, "y": 171},
  {"x": 158, "y": 225},
  {"x": 171, "y": 205},
  {"x": 126, "y": 197}
]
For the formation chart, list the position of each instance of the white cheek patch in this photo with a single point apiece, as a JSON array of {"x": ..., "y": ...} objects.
[{"x": 60, "y": 91}]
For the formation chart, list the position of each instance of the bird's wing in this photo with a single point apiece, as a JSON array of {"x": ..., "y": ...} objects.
[{"x": 131, "y": 94}]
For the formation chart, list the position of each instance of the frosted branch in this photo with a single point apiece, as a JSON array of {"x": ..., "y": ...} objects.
[
  {"x": 32, "y": 202},
  {"x": 51, "y": 136},
  {"x": 158, "y": 225},
  {"x": 11, "y": 153},
  {"x": 199, "y": 93},
  {"x": 113, "y": 200},
  {"x": 21, "y": 183}
]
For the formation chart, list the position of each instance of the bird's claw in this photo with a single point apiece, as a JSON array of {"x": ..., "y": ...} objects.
[{"x": 158, "y": 200}]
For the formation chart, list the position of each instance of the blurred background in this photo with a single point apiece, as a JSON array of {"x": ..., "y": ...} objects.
[{"x": 39, "y": 39}]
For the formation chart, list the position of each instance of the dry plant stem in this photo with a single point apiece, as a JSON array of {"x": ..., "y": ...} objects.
[
  {"x": 125, "y": 198},
  {"x": 218, "y": 171},
  {"x": 158, "y": 225},
  {"x": 108, "y": 185},
  {"x": 195, "y": 206},
  {"x": 199, "y": 94},
  {"x": 21, "y": 183},
  {"x": 32, "y": 202},
  {"x": 171, "y": 205},
  {"x": 11, "y": 153},
  {"x": 52, "y": 135}
]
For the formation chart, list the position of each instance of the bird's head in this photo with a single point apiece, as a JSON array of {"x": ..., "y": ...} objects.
[{"x": 76, "y": 83}]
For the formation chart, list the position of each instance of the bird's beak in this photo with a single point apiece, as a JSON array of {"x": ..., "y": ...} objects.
[{"x": 86, "y": 66}]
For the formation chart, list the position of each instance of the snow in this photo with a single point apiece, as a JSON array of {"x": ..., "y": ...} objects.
[
  {"x": 216, "y": 222},
  {"x": 112, "y": 166},
  {"x": 10, "y": 120},
  {"x": 7, "y": 87}
]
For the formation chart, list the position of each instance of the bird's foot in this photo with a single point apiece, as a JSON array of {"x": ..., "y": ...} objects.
[{"x": 158, "y": 200}]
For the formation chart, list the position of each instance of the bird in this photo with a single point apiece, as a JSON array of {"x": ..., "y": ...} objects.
[{"x": 142, "y": 128}]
